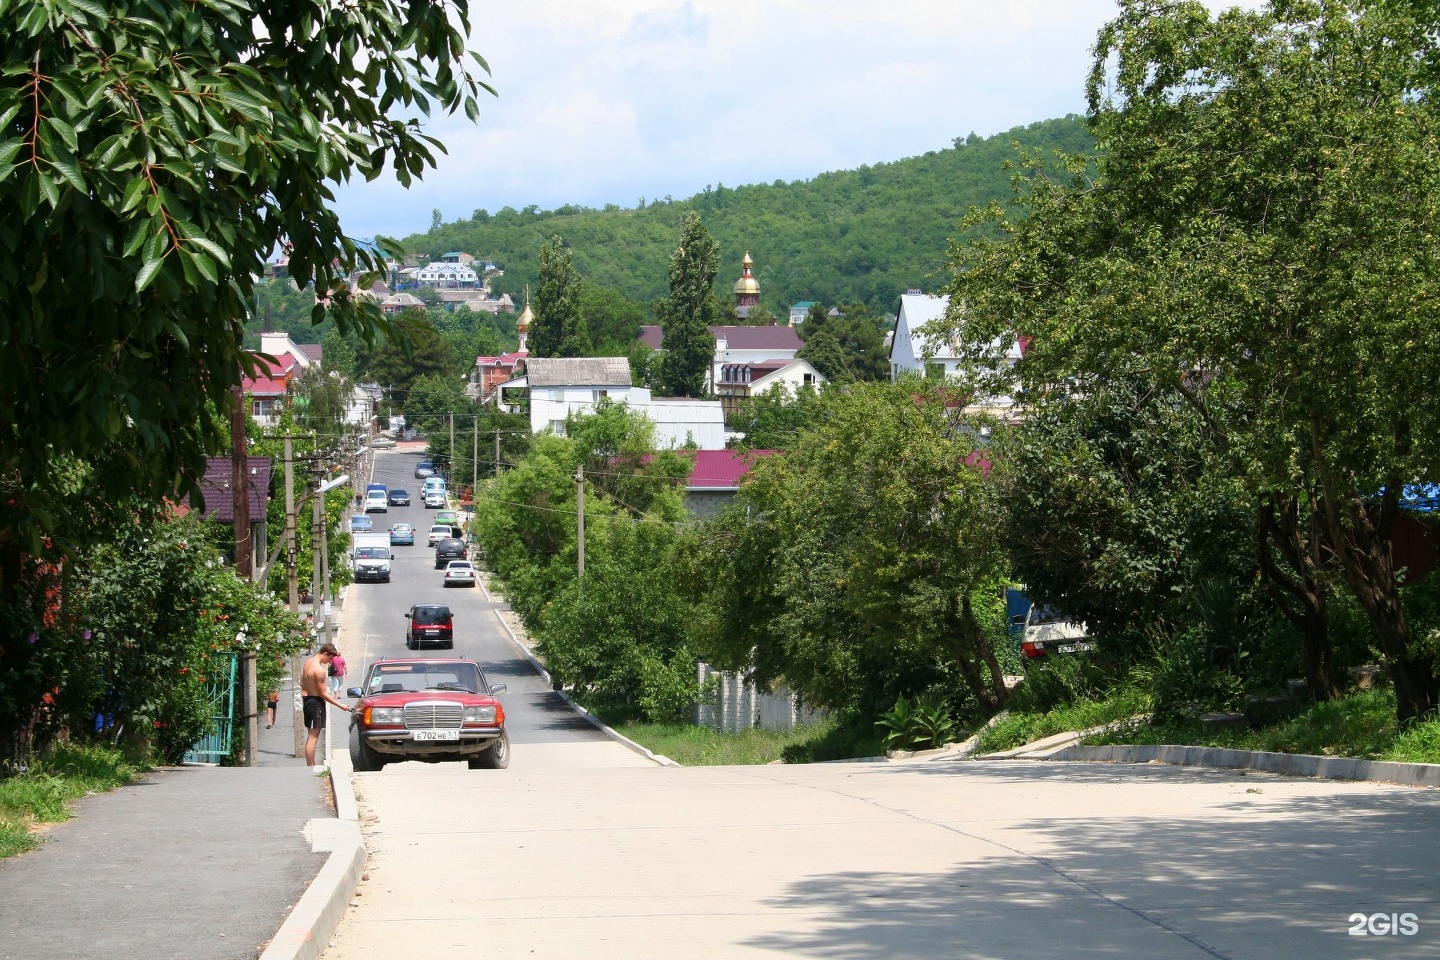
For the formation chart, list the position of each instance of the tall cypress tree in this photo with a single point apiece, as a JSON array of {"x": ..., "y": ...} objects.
[
  {"x": 687, "y": 313},
  {"x": 559, "y": 329}
]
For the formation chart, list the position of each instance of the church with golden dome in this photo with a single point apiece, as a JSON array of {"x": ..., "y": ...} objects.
[{"x": 747, "y": 289}]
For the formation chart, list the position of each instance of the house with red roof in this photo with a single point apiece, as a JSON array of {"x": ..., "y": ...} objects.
[
  {"x": 715, "y": 478},
  {"x": 738, "y": 381}
]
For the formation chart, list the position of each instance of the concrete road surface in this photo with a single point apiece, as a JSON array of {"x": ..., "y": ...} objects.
[{"x": 583, "y": 850}]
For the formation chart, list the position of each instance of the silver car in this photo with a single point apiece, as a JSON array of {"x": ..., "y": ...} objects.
[{"x": 460, "y": 573}]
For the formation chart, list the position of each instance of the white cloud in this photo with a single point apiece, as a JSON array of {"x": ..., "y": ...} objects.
[{"x": 605, "y": 101}]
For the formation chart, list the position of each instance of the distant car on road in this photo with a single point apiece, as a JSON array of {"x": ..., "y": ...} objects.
[
  {"x": 375, "y": 502},
  {"x": 381, "y": 442},
  {"x": 449, "y": 548},
  {"x": 438, "y": 532},
  {"x": 399, "y": 498},
  {"x": 435, "y": 498},
  {"x": 429, "y": 710},
  {"x": 425, "y": 468},
  {"x": 402, "y": 535},
  {"x": 447, "y": 516},
  {"x": 360, "y": 524},
  {"x": 460, "y": 573},
  {"x": 430, "y": 623}
]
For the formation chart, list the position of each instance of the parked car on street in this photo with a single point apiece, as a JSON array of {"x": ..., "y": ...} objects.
[
  {"x": 360, "y": 523},
  {"x": 399, "y": 498},
  {"x": 460, "y": 573},
  {"x": 431, "y": 623},
  {"x": 438, "y": 532},
  {"x": 402, "y": 535},
  {"x": 381, "y": 442},
  {"x": 425, "y": 468},
  {"x": 448, "y": 516},
  {"x": 449, "y": 548},
  {"x": 430, "y": 710}
]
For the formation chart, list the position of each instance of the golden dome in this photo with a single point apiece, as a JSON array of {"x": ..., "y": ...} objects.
[
  {"x": 747, "y": 283},
  {"x": 526, "y": 317}
]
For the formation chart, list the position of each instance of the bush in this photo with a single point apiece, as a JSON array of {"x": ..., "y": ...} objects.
[
  {"x": 925, "y": 725},
  {"x": 1185, "y": 681},
  {"x": 1057, "y": 681},
  {"x": 668, "y": 691}
]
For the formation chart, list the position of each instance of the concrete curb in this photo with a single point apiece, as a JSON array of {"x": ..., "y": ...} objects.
[
  {"x": 307, "y": 931},
  {"x": 595, "y": 721},
  {"x": 1285, "y": 764}
]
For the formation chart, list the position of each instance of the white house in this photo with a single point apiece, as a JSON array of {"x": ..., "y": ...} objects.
[
  {"x": 452, "y": 275},
  {"x": 738, "y": 345},
  {"x": 912, "y": 349},
  {"x": 740, "y": 380},
  {"x": 557, "y": 387}
]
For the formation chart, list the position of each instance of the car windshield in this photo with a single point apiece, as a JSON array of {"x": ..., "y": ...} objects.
[
  {"x": 441, "y": 528},
  {"x": 399, "y": 493},
  {"x": 401, "y": 528},
  {"x": 460, "y": 565},
  {"x": 425, "y": 615},
  {"x": 418, "y": 677},
  {"x": 373, "y": 553}
]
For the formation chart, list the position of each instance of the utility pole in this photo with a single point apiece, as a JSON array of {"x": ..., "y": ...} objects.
[
  {"x": 497, "y": 451},
  {"x": 292, "y": 557},
  {"x": 244, "y": 565},
  {"x": 451, "y": 459},
  {"x": 580, "y": 519},
  {"x": 474, "y": 456}
]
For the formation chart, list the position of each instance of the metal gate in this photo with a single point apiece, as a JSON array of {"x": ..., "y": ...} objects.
[{"x": 214, "y": 747}]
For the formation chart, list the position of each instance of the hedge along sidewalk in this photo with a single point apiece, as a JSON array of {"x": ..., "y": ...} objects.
[{"x": 1285, "y": 764}]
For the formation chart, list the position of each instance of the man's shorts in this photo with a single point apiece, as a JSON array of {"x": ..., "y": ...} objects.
[{"x": 314, "y": 713}]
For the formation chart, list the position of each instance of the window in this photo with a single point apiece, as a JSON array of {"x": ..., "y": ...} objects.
[
  {"x": 557, "y": 427},
  {"x": 595, "y": 395},
  {"x": 809, "y": 379},
  {"x": 934, "y": 371}
]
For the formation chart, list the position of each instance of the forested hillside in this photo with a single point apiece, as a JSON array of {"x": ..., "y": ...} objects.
[{"x": 866, "y": 234}]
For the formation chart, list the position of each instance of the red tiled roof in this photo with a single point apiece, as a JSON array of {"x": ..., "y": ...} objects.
[
  {"x": 722, "y": 469},
  {"x": 263, "y": 387},
  {"x": 215, "y": 488},
  {"x": 504, "y": 360}
]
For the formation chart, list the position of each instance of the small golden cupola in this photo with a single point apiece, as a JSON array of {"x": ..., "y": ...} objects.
[
  {"x": 522, "y": 326},
  {"x": 747, "y": 289}
]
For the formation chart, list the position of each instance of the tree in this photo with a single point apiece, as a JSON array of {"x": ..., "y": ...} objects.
[
  {"x": 687, "y": 313},
  {"x": 857, "y": 561},
  {"x": 1256, "y": 236},
  {"x": 161, "y": 152},
  {"x": 612, "y": 319},
  {"x": 825, "y": 354},
  {"x": 559, "y": 329},
  {"x": 773, "y": 419},
  {"x": 436, "y": 220},
  {"x": 418, "y": 351}
]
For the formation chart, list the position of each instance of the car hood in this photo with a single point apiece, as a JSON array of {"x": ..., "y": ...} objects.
[{"x": 429, "y": 696}]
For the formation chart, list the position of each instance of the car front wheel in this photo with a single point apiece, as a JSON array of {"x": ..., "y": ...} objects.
[
  {"x": 362, "y": 758},
  {"x": 495, "y": 758}
]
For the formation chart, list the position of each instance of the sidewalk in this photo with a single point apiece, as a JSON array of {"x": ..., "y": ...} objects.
[{"x": 191, "y": 863}]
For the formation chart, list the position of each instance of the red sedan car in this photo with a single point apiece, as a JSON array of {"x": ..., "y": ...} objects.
[{"x": 429, "y": 710}]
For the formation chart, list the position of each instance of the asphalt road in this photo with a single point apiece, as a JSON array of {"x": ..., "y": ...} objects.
[
  {"x": 374, "y": 626},
  {"x": 582, "y": 849}
]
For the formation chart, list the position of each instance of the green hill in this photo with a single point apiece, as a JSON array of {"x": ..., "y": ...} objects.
[{"x": 866, "y": 234}]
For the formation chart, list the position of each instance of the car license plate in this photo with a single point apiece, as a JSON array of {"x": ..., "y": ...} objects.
[
  {"x": 1074, "y": 647},
  {"x": 435, "y": 734}
]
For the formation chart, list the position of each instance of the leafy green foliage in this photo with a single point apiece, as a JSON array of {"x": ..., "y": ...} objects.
[
  {"x": 1257, "y": 239},
  {"x": 868, "y": 234},
  {"x": 853, "y": 565},
  {"x": 688, "y": 312},
  {"x": 154, "y": 154},
  {"x": 42, "y": 791},
  {"x": 559, "y": 329}
]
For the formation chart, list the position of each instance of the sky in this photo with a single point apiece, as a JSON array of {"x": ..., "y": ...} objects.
[{"x": 608, "y": 101}]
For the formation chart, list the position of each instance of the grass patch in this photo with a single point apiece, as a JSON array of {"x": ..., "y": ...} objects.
[
  {"x": 1021, "y": 728},
  {"x": 693, "y": 746},
  {"x": 44, "y": 792},
  {"x": 1359, "y": 725}
]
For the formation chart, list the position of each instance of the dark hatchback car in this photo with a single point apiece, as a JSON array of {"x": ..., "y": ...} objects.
[
  {"x": 430, "y": 623},
  {"x": 451, "y": 548},
  {"x": 399, "y": 498}
]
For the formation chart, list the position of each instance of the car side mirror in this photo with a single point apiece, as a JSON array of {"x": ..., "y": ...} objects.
[
  {"x": 497, "y": 688},
  {"x": 1018, "y": 621},
  {"x": 354, "y": 693},
  {"x": 407, "y": 616}
]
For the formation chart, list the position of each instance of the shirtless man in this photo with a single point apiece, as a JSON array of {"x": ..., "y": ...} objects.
[{"x": 312, "y": 686}]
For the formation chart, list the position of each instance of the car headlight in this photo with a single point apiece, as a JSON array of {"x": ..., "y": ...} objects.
[
  {"x": 386, "y": 715},
  {"x": 479, "y": 714}
]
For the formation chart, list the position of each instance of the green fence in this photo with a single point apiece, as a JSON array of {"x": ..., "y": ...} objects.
[{"x": 220, "y": 688}]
